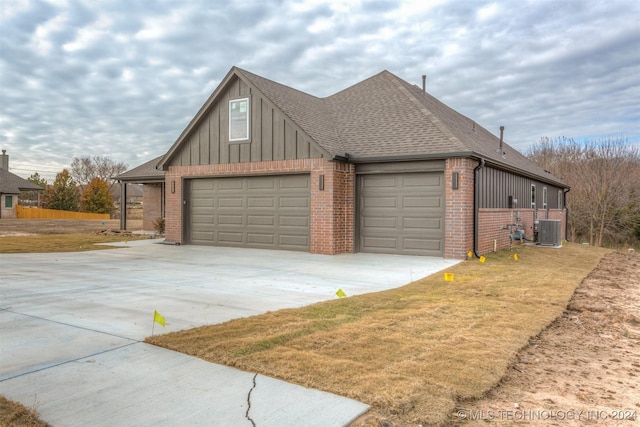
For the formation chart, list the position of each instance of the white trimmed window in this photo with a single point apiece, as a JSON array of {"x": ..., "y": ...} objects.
[
  {"x": 239, "y": 119},
  {"x": 544, "y": 197},
  {"x": 560, "y": 200},
  {"x": 533, "y": 196}
]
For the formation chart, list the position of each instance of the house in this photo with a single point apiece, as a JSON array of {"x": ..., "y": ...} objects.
[
  {"x": 11, "y": 186},
  {"x": 381, "y": 166}
]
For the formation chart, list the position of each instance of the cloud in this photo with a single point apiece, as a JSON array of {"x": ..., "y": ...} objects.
[{"x": 122, "y": 79}]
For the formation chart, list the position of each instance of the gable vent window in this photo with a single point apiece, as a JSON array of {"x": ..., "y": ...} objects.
[{"x": 239, "y": 119}]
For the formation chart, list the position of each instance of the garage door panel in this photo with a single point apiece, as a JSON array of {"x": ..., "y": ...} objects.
[
  {"x": 381, "y": 182},
  {"x": 267, "y": 220},
  {"x": 260, "y": 238},
  {"x": 292, "y": 242},
  {"x": 230, "y": 220},
  {"x": 293, "y": 202},
  {"x": 230, "y": 237},
  {"x": 230, "y": 202},
  {"x": 421, "y": 244},
  {"x": 380, "y": 244},
  {"x": 401, "y": 213},
  {"x": 260, "y": 202},
  {"x": 301, "y": 182},
  {"x": 226, "y": 184},
  {"x": 377, "y": 222},
  {"x": 293, "y": 221},
  {"x": 381, "y": 202},
  {"x": 262, "y": 212}
]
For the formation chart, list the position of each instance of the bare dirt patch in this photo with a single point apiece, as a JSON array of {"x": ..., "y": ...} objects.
[
  {"x": 27, "y": 227},
  {"x": 584, "y": 369}
]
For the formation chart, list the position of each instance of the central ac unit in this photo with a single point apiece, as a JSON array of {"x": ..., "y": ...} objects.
[{"x": 549, "y": 232}]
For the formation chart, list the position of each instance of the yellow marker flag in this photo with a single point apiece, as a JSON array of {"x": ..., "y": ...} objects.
[
  {"x": 448, "y": 277},
  {"x": 515, "y": 257},
  {"x": 158, "y": 318},
  {"x": 340, "y": 293},
  {"x": 469, "y": 254},
  {"x": 482, "y": 259}
]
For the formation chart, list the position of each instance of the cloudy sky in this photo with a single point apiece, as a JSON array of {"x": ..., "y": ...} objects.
[{"x": 122, "y": 78}]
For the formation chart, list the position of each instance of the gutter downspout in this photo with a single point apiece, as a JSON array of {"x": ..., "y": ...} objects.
[
  {"x": 566, "y": 215},
  {"x": 476, "y": 204}
]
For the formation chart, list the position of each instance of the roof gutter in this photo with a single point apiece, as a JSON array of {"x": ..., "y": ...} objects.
[
  {"x": 401, "y": 158},
  {"x": 476, "y": 204}
]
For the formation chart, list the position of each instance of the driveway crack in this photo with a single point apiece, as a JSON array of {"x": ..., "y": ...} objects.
[{"x": 249, "y": 402}]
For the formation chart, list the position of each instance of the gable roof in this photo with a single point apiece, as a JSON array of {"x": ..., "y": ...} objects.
[
  {"x": 13, "y": 184},
  {"x": 146, "y": 172},
  {"x": 382, "y": 118}
]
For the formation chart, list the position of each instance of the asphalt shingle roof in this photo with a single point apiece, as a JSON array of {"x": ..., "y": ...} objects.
[
  {"x": 382, "y": 117},
  {"x": 145, "y": 172},
  {"x": 385, "y": 116},
  {"x": 13, "y": 184}
]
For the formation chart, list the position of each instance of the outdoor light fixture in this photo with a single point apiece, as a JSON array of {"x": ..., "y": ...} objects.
[
  {"x": 454, "y": 180},
  {"x": 321, "y": 183},
  {"x": 173, "y": 186}
]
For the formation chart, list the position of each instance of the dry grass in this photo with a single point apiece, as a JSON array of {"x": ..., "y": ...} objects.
[
  {"x": 58, "y": 242},
  {"x": 13, "y": 414},
  {"x": 412, "y": 352}
]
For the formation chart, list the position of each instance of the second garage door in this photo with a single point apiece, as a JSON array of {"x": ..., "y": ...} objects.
[
  {"x": 401, "y": 213},
  {"x": 270, "y": 212}
]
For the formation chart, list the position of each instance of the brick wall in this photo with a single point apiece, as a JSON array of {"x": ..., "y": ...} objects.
[
  {"x": 332, "y": 210},
  {"x": 152, "y": 205},
  {"x": 458, "y": 223},
  {"x": 492, "y": 221}
]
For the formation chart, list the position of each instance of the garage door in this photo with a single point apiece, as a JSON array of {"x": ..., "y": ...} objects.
[
  {"x": 270, "y": 212},
  {"x": 401, "y": 213}
]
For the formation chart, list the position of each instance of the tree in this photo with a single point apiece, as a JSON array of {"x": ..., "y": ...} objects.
[
  {"x": 33, "y": 197},
  {"x": 604, "y": 176},
  {"x": 63, "y": 194},
  {"x": 85, "y": 168},
  {"x": 96, "y": 197}
]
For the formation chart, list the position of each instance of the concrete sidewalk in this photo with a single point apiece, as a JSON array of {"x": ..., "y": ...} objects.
[{"x": 71, "y": 326}]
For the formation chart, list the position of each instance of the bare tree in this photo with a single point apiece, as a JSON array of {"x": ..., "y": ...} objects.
[
  {"x": 84, "y": 169},
  {"x": 604, "y": 176}
]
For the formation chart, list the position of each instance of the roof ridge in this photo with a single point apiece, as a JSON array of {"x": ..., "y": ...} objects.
[{"x": 424, "y": 110}]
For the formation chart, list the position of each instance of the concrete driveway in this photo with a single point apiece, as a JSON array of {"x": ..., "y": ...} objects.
[{"x": 71, "y": 326}]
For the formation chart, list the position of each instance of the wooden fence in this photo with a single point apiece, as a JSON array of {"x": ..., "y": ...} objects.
[{"x": 39, "y": 213}]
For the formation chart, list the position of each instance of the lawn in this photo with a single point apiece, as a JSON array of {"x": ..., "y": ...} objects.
[
  {"x": 13, "y": 414},
  {"x": 411, "y": 353},
  {"x": 76, "y": 242}
]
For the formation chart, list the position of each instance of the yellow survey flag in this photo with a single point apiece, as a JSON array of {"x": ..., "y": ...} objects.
[
  {"x": 469, "y": 254},
  {"x": 482, "y": 259},
  {"x": 341, "y": 293},
  {"x": 158, "y": 318},
  {"x": 448, "y": 277},
  {"x": 515, "y": 257}
]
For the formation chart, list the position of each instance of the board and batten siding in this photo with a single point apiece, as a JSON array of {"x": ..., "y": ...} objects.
[
  {"x": 497, "y": 185},
  {"x": 273, "y": 136}
]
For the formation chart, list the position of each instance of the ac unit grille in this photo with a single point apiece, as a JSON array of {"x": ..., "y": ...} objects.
[{"x": 549, "y": 232}]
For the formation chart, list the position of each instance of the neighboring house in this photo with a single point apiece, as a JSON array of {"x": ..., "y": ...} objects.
[
  {"x": 152, "y": 192},
  {"x": 381, "y": 166},
  {"x": 11, "y": 186}
]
